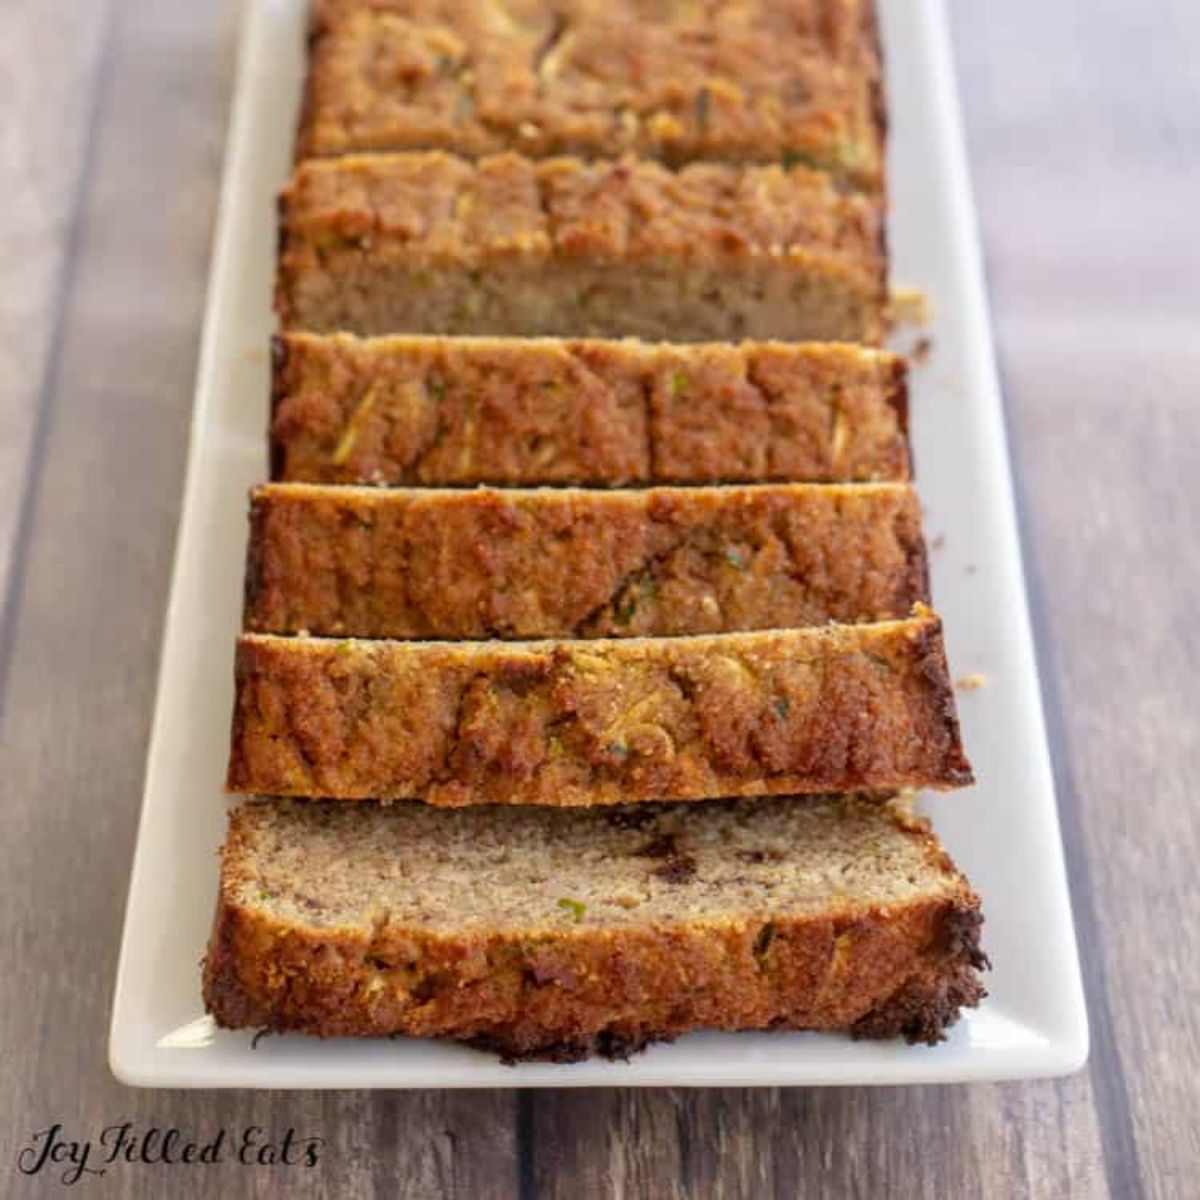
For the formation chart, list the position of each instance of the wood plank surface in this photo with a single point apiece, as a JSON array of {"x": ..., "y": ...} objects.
[
  {"x": 1088, "y": 190},
  {"x": 1083, "y": 120},
  {"x": 45, "y": 125}
]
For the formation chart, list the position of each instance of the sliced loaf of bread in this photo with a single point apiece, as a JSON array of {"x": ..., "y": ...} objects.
[
  {"x": 756, "y": 80},
  {"x": 548, "y": 563},
  {"x": 523, "y": 411},
  {"x": 430, "y": 243},
  {"x": 835, "y": 708},
  {"x": 559, "y": 934}
]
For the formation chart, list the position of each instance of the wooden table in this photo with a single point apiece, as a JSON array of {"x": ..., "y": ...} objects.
[{"x": 1084, "y": 125}]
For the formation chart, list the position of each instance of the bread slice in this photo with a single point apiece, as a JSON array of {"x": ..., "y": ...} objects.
[
  {"x": 549, "y": 563},
  {"x": 430, "y": 243},
  {"x": 840, "y": 708},
  {"x": 558, "y": 934},
  {"x": 758, "y": 81},
  {"x": 430, "y": 411}
]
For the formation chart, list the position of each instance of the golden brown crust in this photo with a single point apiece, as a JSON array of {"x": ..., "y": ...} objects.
[
  {"x": 895, "y": 981},
  {"x": 435, "y": 209},
  {"x": 841, "y": 708},
  {"x": 921, "y": 1010},
  {"x": 416, "y": 563},
  {"x": 430, "y": 411},
  {"x": 904, "y": 968},
  {"x": 430, "y": 243},
  {"x": 767, "y": 81}
]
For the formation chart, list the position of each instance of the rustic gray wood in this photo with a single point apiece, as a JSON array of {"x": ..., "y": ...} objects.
[
  {"x": 45, "y": 116},
  {"x": 1084, "y": 127}
]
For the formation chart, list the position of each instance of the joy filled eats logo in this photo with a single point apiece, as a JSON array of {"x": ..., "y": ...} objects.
[{"x": 51, "y": 1151}]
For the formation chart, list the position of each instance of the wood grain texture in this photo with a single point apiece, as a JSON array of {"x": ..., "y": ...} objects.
[
  {"x": 1084, "y": 127},
  {"x": 1087, "y": 192},
  {"x": 45, "y": 117}
]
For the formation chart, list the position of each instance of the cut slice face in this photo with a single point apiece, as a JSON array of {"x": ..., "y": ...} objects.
[
  {"x": 556, "y": 933},
  {"x": 507, "y": 245}
]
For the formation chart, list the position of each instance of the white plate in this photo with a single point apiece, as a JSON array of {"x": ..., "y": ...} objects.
[{"x": 1004, "y": 832}]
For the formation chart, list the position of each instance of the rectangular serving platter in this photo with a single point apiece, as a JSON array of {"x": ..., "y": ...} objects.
[{"x": 1004, "y": 832}]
